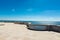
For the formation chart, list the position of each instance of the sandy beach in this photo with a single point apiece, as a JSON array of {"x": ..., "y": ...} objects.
[{"x": 11, "y": 31}]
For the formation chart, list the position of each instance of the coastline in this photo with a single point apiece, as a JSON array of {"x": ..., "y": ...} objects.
[{"x": 11, "y": 31}]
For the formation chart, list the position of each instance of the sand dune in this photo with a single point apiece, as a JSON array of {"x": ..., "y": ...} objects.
[{"x": 11, "y": 31}]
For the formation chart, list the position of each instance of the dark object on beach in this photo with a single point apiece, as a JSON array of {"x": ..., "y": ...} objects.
[
  {"x": 2, "y": 24},
  {"x": 25, "y": 23},
  {"x": 39, "y": 27}
]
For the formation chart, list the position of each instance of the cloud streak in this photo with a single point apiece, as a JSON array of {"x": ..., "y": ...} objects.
[
  {"x": 13, "y": 10},
  {"x": 30, "y": 9}
]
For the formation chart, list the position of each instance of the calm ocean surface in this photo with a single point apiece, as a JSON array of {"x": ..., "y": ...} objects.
[
  {"x": 35, "y": 22},
  {"x": 45, "y": 22}
]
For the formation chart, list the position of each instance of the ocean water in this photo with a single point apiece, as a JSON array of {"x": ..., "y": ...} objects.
[
  {"x": 45, "y": 22},
  {"x": 35, "y": 22}
]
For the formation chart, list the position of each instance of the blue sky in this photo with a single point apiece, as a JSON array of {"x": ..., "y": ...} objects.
[{"x": 33, "y": 10}]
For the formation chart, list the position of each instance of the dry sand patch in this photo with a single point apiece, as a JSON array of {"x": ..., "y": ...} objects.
[{"x": 11, "y": 31}]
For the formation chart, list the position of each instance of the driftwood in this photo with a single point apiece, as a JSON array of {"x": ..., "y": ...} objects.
[
  {"x": 25, "y": 23},
  {"x": 2, "y": 24}
]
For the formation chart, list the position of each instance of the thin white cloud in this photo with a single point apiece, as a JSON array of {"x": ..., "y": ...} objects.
[
  {"x": 13, "y": 10},
  {"x": 30, "y": 9}
]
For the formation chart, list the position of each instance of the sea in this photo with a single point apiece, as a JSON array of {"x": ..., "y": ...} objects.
[
  {"x": 45, "y": 22},
  {"x": 35, "y": 22}
]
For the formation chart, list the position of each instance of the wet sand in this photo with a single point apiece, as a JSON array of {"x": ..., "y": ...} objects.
[{"x": 11, "y": 31}]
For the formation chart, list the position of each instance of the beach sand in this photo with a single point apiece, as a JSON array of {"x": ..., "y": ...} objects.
[{"x": 11, "y": 31}]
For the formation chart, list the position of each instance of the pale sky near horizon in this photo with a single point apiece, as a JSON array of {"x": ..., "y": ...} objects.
[{"x": 30, "y": 10}]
